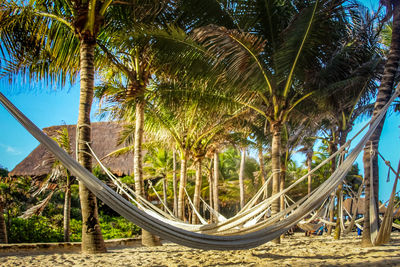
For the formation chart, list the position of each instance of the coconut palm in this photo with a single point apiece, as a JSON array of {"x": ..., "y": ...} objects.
[
  {"x": 70, "y": 28},
  {"x": 64, "y": 24},
  {"x": 273, "y": 55},
  {"x": 193, "y": 125},
  {"x": 384, "y": 92}
]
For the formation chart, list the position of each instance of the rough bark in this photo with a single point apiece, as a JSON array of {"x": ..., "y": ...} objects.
[
  {"x": 282, "y": 180},
  {"x": 92, "y": 239},
  {"x": 175, "y": 182},
  {"x": 366, "y": 234},
  {"x": 384, "y": 93},
  {"x": 197, "y": 191},
  {"x": 332, "y": 149},
  {"x": 282, "y": 184},
  {"x": 67, "y": 212},
  {"x": 262, "y": 169},
  {"x": 241, "y": 177},
  {"x": 138, "y": 153},
  {"x": 182, "y": 185},
  {"x": 215, "y": 182},
  {"x": 210, "y": 190},
  {"x": 148, "y": 239},
  {"x": 276, "y": 165}
]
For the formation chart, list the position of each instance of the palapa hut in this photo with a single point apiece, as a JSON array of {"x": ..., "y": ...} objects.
[{"x": 105, "y": 136}]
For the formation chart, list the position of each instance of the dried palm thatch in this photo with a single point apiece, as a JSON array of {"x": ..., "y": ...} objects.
[{"x": 105, "y": 136}]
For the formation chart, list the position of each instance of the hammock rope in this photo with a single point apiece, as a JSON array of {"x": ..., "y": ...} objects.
[{"x": 262, "y": 234}]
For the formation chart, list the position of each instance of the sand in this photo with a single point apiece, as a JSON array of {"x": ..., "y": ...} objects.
[{"x": 296, "y": 250}]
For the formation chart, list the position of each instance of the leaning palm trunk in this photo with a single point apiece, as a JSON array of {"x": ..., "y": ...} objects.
[
  {"x": 309, "y": 168},
  {"x": 3, "y": 229},
  {"x": 241, "y": 177},
  {"x": 215, "y": 182},
  {"x": 67, "y": 211},
  {"x": 197, "y": 191},
  {"x": 276, "y": 165},
  {"x": 182, "y": 185},
  {"x": 384, "y": 93},
  {"x": 175, "y": 183},
  {"x": 148, "y": 239},
  {"x": 92, "y": 239}
]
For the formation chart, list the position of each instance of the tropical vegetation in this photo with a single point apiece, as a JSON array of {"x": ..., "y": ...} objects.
[{"x": 232, "y": 88}]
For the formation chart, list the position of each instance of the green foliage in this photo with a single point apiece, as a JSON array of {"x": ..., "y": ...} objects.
[
  {"x": 36, "y": 229},
  {"x": 111, "y": 227},
  {"x": 129, "y": 180},
  {"x": 39, "y": 229}
]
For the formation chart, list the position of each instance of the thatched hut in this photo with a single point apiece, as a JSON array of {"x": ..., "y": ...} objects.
[{"x": 105, "y": 136}]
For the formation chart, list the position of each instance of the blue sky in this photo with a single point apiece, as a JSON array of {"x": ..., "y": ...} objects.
[{"x": 46, "y": 106}]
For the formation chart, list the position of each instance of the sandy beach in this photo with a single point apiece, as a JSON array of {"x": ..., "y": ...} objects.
[{"x": 296, "y": 250}]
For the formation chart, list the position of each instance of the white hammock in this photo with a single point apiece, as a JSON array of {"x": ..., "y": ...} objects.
[{"x": 263, "y": 233}]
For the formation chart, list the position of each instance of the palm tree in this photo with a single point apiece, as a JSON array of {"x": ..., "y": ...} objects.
[
  {"x": 65, "y": 23},
  {"x": 241, "y": 176},
  {"x": 70, "y": 27},
  {"x": 384, "y": 93},
  {"x": 204, "y": 113},
  {"x": 275, "y": 60}
]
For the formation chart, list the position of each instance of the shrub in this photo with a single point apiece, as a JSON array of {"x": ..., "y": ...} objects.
[
  {"x": 111, "y": 227},
  {"x": 36, "y": 229},
  {"x": 39, "y": 229}
]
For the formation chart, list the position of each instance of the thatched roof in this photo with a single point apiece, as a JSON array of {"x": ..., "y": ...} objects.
[{"x": 105, "y": 137}]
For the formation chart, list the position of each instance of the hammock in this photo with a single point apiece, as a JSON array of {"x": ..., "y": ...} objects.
[{"x": 262, "y": 234}]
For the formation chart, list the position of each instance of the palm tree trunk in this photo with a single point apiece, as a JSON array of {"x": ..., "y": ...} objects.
[
  {"x": 67, "y": 211},
  {"x": 241, "y": 177},
  {"x": 175, "y": 182},
  {"x": 92, "y": 239},
  {"x": 138, "y": 153},
  {"x": 262, "y": 170},
  {"x": 366, "y": 234},
  {"x": 3, "y": 229},
  {"x": 309, "y": 168},
  {"x": 182, "y": 185},
  {"x": 210, "y": 190},
  {"x": 338, "y": 217},
  {"x": 384, "y": 93},
  {"x": 148, "y": 239},
  {"x": 342, "y": 140},
  {"x": 332, "y": 149},
  {"x": 164, "y": 183},
  {"x": 197, "y": 191},
  {"x": 282, "y": 179},
  {"x": 282, "y": 182},
  {"x": 215, "y": 182},
  {"x": 276, "y": 165}
]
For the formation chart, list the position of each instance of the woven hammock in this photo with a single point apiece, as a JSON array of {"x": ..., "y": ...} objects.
[{"x": 260, "y": 234}]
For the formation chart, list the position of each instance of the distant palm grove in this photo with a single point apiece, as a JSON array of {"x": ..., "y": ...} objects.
[{"x": 214, "y": 99}]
